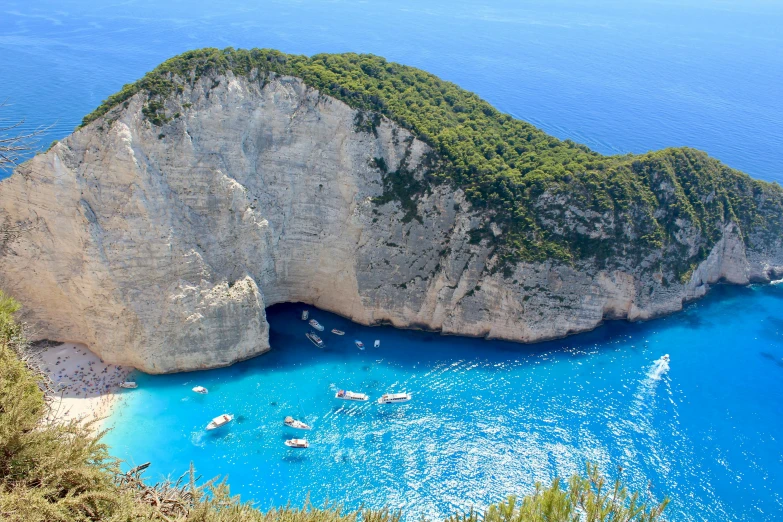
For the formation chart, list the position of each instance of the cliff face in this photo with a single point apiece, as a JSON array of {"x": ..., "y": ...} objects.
[{"x": 161, "y": 246}]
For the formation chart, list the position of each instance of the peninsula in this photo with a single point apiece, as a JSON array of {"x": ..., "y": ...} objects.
[{"x": 225, "y": 181}]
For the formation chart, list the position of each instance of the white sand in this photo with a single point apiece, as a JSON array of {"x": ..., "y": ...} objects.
[{"x": 86, "y": 388}]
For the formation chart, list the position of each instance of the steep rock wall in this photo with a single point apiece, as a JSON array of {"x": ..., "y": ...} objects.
[{"x": 160, "y": 247}]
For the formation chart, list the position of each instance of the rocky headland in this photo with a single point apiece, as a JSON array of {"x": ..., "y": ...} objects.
[{"x": 227, "y": 181}]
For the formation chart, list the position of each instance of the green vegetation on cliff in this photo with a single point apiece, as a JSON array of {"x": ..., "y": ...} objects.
[
  {"x": 62, "y": 473},
  {"x": 551, "y": 198}
]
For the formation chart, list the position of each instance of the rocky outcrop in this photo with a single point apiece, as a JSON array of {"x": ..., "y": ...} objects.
[{"x": 161, "y": 246}]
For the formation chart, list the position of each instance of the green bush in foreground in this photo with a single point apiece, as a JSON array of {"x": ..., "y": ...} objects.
[{"x": 61, "y": 473}]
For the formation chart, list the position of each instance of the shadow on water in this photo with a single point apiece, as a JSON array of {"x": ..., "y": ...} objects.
[{"x": 403, "y": 348}]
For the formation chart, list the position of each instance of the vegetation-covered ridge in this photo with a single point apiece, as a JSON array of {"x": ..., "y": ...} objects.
[
  {"x": 557, "y": 199},
  {"x": 60, "y": 472}
]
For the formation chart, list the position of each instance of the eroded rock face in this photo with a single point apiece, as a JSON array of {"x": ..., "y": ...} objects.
[{"x": 160, "y": 247}]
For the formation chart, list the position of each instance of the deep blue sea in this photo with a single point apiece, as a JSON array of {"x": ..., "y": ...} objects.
[{"x": 487, "y": 418}]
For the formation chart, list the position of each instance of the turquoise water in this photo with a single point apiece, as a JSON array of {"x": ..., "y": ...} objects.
[{"x": 488, "y": 418}]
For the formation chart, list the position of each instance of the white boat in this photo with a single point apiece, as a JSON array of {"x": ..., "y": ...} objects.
[
  {"x": 129, "y": 384},
  {"x": 377, "y": 343},
  {"x": 305, "y": 315},
  {"x": 665, "y": 358},
  {"x": 315, "y": 324},
  {"x": 219, "y": 421},
  {"x": 394, "y": 398},
  {"x": 335, "y": 331},
  {"x": 315, "y": 339},
  {"x": 297, "y": 425},
  {"x": 359, "y": 344},
  {"x": 297, "y": 443},
  {"x": 351, "y": 396},
  {"x": 201, "y": 390}
]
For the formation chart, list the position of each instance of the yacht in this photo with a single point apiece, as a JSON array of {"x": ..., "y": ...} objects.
[
  {"x": 315, "y": 324},
  {"x": 297, "y": 443},
  {"x": 201, "y": 390},
  {"x": 394, "y": 398},
  {"x": 335, "y": 331},
  {"x": 129, "y": 384},
  {"x": 315, "y": 339},
  {"x": 351, "y": 396},
  {"x": 297, "y": 425},
  {"x": 305, "y": 315},
  {"x": 219, "y": 421},
  {"x": 377, "y": 343},
  {"x": 359, "y": 344}
]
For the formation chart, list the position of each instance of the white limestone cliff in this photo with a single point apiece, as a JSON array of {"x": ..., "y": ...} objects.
[{"x": 160, "y": 247}]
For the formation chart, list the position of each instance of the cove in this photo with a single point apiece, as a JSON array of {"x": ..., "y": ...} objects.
[{"x": 487, "y": 418}]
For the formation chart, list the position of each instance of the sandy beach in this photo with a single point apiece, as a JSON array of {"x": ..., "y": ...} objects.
[{"x": 86, "y": 387}]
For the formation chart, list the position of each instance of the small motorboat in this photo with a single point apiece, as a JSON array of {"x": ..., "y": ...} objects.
[
  {"x": 665, "y": 358},
  {"x": 297, "y": 443},
  {"x": 201, "y": 390},
  {"x": 377, "y": 343},
  {"x": 219, "y": 421},
  {"x": 351, "y": 396},
  {"x": 297, "y": 425},
  {"x": 359, "y": 344},
  {"x": 335, "y": 331},
  {"x": 129, "y": 385},
  {"x": 315, "y": 339},
  {"x": 315, "y": 324},
  {"x": 394, "y": 398},
  {"x": 305, "y": 315}
]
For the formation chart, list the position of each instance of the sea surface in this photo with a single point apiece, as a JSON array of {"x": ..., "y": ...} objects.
[{"x": 487, "y": 418}]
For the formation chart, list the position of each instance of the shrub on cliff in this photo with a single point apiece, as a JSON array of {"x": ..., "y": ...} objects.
[{"x": 52, "y": 472}]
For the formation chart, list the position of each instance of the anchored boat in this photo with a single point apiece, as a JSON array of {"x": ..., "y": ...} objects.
[
  {"x": 335, "y": 331},
  {"x": 315, "y": 324},
  {"x": 394, "y": 398},
  {"x": 377, "y": 343},
  {"x": 351, "y": 396},
  {"x": 297, "y": 443},
  {"x": 359, "y": 344},
  {"x": 315, "y": 339},
  {"x": 305, "y": 315},
  {"x": 222, "y": 420},
  {"x": 297, "y": 425},
  {"x": 201, "y": 390},
  {"x": 129, "y": 385}
]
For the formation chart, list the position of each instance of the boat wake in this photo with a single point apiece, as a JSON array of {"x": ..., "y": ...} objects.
[{"x": 659, "y": 368}]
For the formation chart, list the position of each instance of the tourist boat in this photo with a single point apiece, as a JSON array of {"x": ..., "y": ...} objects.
[
  {"x": 219, "y": 421},
  {"x": 315, "y": 339},
  {"x": 129, "y": 385},
  {"x": 297, "y": 443},
  {"x": 315, "y": 324},
  {"x": 297, "y": 425},
  {"x": 394, "y": 398},
  {"x": 377, "y": 343},
  {"x": 335, "y": 331},
  {"x": 305, "y": 315},
  {"x": 351, "y": 396},
  {"x": 201, "y": 390},
  {"x": 359, "y": 344}
]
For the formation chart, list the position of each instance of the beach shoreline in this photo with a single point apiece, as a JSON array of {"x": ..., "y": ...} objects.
[{"x": 84, "y": 387}]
